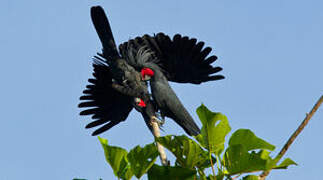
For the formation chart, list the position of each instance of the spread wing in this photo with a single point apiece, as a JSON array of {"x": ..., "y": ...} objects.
[
  {"x": 107, "y": 106},
  {"x": 102, "y": 27},
  {"x": 183, "y": 59}
]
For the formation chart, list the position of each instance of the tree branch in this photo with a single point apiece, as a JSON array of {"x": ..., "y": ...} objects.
[
  {"x": 156, "y": 132},
  {"x": 153, "y": 119},
  {"x": 309, "y": 115}
]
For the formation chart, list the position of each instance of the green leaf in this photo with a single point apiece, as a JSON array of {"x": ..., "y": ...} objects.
[
  {"x": 201, "y": 175},
  {"x": 284, "y": 165},
  {"x": 250, "y": 177},
  {"x": 187, "y": 152},
  {"x": 116, "y": 157},
  {"x": 127, "y": 173},
  {"x": 206, "y": 163},
  {"x": 237, "y": 159},
  {"x": 141, "y": 159},
  {"x": 220, "y": 175},
  {"x": 249, "y": 140},
  {"x": 157, "y": 172},
  {"x": 215, "y": 128}
]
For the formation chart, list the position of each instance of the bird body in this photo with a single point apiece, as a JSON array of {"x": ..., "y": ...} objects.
[
  {"x": 119, "y": 77},
  {"x": 170, "y": 105},
  {"x": 116, "y": 84}
]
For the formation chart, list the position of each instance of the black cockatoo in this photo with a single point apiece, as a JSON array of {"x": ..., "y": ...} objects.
[
  {"x": 116, "y": 87},
  {"x": 158, "y": 59},
  {"x": 181, "y": 60}
]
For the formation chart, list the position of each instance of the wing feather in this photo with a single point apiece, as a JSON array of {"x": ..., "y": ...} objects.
[
  {"x": 182, "y": 59},
  {"x": 105, "y": 104}
]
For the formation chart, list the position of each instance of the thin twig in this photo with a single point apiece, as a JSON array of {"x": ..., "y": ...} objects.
[
  {"x": 156, "y": 132},
  {"x": 309, "y": 115},
  {"x": 236, "y": 177},
  {"x": 212, "y": 165}
]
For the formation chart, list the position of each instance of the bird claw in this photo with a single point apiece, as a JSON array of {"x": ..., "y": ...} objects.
[
  {"x": 160, "y": 118},
  {"x": 160, "y": 121}
]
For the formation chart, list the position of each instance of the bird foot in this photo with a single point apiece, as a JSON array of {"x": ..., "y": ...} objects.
[
  {"x": 153, "y": 120},
  {"x": 159, "y": 121},
  {"x": 160, "y": 118}
]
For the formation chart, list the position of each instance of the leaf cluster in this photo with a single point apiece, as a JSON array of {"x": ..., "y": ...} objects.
[{"x": 246, "y": 153}]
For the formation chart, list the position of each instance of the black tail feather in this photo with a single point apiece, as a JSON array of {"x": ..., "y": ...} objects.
[{"x": 102, "y": 26}]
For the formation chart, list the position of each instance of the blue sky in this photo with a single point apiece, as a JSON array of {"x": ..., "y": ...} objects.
[{"x": 271, "y": 52}]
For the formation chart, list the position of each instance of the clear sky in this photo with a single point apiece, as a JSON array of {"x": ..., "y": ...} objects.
[{"x": 271, "y": 52}]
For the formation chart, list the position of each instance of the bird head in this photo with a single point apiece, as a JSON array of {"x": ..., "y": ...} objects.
[
  {"x": 140, "y": 102},
  {"x": 146, "y": 73}
]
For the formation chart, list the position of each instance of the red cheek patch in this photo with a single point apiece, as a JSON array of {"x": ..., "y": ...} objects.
[
  {"x": 147, "y": 71},
  {"x": 142, "y": 103}
]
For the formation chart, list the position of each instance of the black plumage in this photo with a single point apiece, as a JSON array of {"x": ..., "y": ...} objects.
[
  {"x": 181, "y": 60},
  {"x": 110, "y": 96},
  {"x": 107, "y": 105}
]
